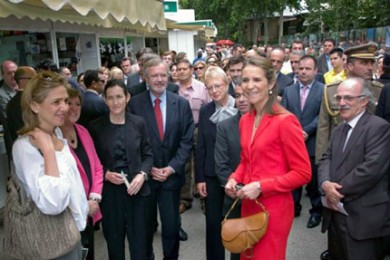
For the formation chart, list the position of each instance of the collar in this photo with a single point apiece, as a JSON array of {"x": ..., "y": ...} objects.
[
  {"x": 352, "y": 123},
  {"x": 163, "y": 97}
]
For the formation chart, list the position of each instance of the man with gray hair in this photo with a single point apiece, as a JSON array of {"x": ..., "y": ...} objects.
[
  {"x": 352, "y": 177},
  {"x": 143, "y": 86}
]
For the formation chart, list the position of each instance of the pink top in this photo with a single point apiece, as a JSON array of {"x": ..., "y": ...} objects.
[
  {"x": 96, "y": 167},
  {"x": 196, "y": 95}
]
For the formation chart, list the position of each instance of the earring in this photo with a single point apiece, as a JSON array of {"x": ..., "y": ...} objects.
[{"x": 270, "y": 92}]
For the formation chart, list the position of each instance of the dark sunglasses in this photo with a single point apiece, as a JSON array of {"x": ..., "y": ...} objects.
[{"x": 198, "y": 68}]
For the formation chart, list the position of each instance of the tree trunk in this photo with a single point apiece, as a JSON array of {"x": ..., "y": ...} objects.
[{"x": 266, "y": 26}]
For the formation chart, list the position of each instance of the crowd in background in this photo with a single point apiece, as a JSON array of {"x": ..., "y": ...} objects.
[{"x": 153, "y": 134}]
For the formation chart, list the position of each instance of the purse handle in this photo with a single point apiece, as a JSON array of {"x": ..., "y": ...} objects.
[{"x": 235, "y": 202}]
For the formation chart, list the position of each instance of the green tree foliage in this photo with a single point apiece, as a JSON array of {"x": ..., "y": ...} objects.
[
  {"x": 231, "y": 16},
  {"x": 339, "y": 15}
]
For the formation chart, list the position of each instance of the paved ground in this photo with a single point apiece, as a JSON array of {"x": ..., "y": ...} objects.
[{"x": 303, "y": 243}]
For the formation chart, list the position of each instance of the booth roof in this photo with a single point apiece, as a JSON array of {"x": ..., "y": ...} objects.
[{"x": 141, "y": 15}]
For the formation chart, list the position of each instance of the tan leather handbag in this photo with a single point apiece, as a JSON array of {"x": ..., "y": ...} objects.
[{"x": 240, "y": 234}]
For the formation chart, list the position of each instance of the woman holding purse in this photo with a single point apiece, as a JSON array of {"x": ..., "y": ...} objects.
[
  {"x": 274, "y": 159},
  {"x": 43, "y": 162}
]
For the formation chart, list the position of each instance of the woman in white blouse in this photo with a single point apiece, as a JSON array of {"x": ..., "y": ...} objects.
[{"x": 43, "y": 162}]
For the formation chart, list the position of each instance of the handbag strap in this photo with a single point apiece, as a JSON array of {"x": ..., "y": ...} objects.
[{"x": 235, "y": 202}]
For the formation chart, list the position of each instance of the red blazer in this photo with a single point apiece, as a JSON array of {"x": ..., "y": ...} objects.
[
  {"x": 276, "y": 156},
  {"x": 96, "y": 168},
  {"x": 278, "y": 159}
]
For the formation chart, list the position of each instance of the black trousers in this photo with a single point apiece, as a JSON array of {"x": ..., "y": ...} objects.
[
  {"x": 123, "y": 215},
  {"x": 214, "y": 207},
  {"x": 312, "y": 191},
  {"x": 167, "y": 202},
  {"x": 88, "y": 240},
  {"x": 343, "y": 247}
]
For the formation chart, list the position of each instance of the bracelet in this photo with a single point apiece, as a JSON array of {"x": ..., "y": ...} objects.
[{"x": 95, "y": 199}]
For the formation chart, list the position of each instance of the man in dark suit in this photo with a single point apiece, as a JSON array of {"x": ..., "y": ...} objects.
[
  {"x": 323, "y": 61},
  {"x": 136, "y": 77},
  {"x": 295, "y": 56},
  {"x": 14, "y": 109},
  {"x": 142, "y": 87},
  {"x": 353, "y": 177},
  {"x": 277, "y": 58},
  {"x": 93, "y": 104},
  {"x": 303, "y": 99},
  {"x": 227, "y": 151},
  {"x": 235, "y": 65},
  {"x": 170, "y": 126}
]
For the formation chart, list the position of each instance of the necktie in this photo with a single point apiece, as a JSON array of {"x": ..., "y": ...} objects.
[
  {"x": 159, "y": 120},
  {"x": 296, "y": 78},
  {"x": 344, "y": 136},
  {"x": 304, "y": 92}
]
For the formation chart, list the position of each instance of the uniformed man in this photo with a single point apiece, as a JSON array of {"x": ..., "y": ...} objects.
[{"x": 360, "y": 63}]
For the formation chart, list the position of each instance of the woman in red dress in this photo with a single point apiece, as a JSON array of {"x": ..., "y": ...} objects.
[{"x": 274, "y": 160}]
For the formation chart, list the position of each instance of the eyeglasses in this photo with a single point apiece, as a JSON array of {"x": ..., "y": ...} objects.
[
  {"x": 347, "y": 98},
  {"x": 198, "y": 68},
  {"x": 215, "y": 87}
]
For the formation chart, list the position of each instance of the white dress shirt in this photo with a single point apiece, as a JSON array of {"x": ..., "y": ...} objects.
[{"x": 52, "y": 195}]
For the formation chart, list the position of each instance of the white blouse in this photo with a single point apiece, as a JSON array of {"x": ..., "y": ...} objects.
[{"x": 51, "y": 194}]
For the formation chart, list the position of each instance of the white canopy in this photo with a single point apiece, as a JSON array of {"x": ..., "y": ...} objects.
[{"x": 142, "y": 15}]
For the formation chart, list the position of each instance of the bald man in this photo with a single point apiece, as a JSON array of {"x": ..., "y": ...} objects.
[{"x": 13, "y": 111}]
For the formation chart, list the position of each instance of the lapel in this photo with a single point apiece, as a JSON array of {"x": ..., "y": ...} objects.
[
  {"x": 354, "y": 137},
  {"x": 310, "y": 96},
  {"x": 172, "y": 109},
  {"x": 296, "y": 96},
  {"x": 149, "y": 112},
  {"x": 262, "y": 126}
]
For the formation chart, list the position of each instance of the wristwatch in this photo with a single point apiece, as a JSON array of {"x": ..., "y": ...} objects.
[{"x": 146, "y": 177}]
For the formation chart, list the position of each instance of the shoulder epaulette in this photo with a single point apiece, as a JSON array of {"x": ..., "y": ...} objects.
[
  {"x": 378, "y": 84},
  {"x": 330, "y": 111}
]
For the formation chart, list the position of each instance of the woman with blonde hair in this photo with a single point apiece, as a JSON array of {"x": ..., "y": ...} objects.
[
  {"x": 43, "y": 162},
  {"x": 221, "y": 107}
]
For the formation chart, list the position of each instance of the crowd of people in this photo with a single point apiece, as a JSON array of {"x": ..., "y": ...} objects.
[{"x": 118, "y": 144}]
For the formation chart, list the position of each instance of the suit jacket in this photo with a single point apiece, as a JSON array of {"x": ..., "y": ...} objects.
[
  {"x": 227, "y": 148},
  {"x": 14, "y": 121},
  {"x": 227, "y": 155},
  {"x": 275, "y": 156},
  {"x": 282, "y": 81},
  {"x": 322, "y": 64},
  {"x": 95, "y": 190},
  {"x": 132, "y": 80},
  {"x": 139, "y": 152},
  {"x": 383, "y": 107},
  {"x": 176, "y": 145},
  {"x": 308, "y": 117},
  {"x": 204, "y": 150},
  {"x": 231, "y": 89},
  {"x": 93, "y": 108},
  {"x": 319, "y": 77},
  {"x": 361, "y": 171},
  {"x": 141, "y": 87}
]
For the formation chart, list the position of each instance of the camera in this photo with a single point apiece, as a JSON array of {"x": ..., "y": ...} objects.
[{"x": 239, "y": 186}]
